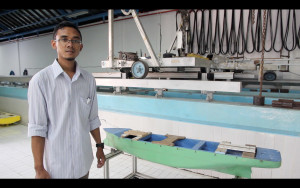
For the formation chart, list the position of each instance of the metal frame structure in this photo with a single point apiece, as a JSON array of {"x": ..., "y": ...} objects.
[
  {"x": 153, "y": 61},
  {"x": 199, "y": 85},
  {"x": 134, "y": 174},
  {"x": 217, "y": 63}
]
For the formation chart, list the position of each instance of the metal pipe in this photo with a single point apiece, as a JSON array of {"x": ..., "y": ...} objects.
[
  {"x": 134, "y": 164},
  {"x": 110, "y": 37},
  {"x": 106, "y": 169},
  {"x": 144, "y": 36},
  {"x": 261, "y": 67},
  {"x": 109, "y": 156}
]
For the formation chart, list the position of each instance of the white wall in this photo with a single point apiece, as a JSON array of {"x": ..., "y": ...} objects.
[
  {"x": 36, "y": 53},
  {"x": 9, "y": 58}
]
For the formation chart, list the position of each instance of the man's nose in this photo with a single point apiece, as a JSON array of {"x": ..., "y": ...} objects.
[{"x": 70, "y": 43}]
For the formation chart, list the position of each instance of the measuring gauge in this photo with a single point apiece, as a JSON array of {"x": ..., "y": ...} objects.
[{"x": 139, "y": 69}]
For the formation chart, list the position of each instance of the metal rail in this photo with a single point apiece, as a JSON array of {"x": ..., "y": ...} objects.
[{"x": 173, "y": 84}]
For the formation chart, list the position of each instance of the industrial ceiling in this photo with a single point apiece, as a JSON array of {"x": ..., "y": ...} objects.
[{"x": 19, "y": 23}]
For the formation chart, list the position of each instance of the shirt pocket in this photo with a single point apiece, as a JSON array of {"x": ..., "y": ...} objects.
[{"x": 85, "y": 106}]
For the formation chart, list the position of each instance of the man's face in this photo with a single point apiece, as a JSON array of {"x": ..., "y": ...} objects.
[{"x": 65, "y": 48}]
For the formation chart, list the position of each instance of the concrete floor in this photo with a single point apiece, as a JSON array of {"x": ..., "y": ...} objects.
[{"x": 16, "y": 160}]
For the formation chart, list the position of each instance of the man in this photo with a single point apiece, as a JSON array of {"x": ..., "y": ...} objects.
[{"x": 62, "y": 111}]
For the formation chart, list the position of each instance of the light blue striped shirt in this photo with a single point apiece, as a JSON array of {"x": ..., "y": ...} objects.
[{"x": 64, "y": 111}]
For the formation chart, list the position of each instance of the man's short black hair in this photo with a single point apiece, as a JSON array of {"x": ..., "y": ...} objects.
[{"x": 65, "y": 24}]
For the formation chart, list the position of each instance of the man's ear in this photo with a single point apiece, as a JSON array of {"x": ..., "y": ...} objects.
[{"x": 53, "y": 44}]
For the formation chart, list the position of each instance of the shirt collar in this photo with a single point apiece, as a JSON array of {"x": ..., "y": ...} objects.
[{"x": 57, "y": 70}]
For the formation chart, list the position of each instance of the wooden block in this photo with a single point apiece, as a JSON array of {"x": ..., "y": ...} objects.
[
  {"x": 251, "y": 145},
  {"x": 248, "y": 155},
  {"x": 296, "y": 104},
  {"x": 286, "y": 100},
  {"x": 137, "y": 134},
  {"x": 283, "y": 103},
  {"x": 136, "y": 138},
  {"x": 169, "y": 141},
  {"x": 225, "y": 142},
  {"x": 284, "y": 90},
  {"x": 248, "y": 150},
  {"x": 221, "y": 150},
  {"x": 275, "y": 90}
]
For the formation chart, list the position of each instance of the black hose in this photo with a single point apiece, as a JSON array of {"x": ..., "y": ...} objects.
[
  {"x": 232, "y": 36},
  {"x": 294, "y": 32},
  {"x": 279, "y": 16},
  {"x": 201, "y": 39},
  {"x": 241, "y": 36},
  {"x": 298, "y": 38},
  {"x": 269, "y": 28},
  {"x": 258, "y": 33},
  {"x": 249, "y": 32},
  {"x": 208, "y": 46},
  {"x": 216, "y": 41},
  {"x": 206, "y": 37},
  {"x": 224, "y": 39},
  {"x": 193, "y": 31}
]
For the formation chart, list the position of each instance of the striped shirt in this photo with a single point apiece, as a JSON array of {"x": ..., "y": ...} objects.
[{"x": 64, "y": 111}]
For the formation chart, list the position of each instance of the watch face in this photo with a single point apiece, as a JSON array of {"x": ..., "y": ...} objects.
[{"x": 100, "y": 145}]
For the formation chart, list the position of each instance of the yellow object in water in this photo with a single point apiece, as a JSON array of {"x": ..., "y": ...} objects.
[{"x": 7, "y": 118}]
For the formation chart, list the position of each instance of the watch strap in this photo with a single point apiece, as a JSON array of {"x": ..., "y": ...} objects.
[{"x": 101, "y": 145}]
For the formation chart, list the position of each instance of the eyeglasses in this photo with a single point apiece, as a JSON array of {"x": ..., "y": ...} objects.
[{"x": 65, "y": 41}]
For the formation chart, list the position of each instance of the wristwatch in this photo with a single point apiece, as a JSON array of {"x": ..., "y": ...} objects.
[{"x": 101, "y": 145}]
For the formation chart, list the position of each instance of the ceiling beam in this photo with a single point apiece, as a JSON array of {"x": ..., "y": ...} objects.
[{"x": 75, "y": 21}]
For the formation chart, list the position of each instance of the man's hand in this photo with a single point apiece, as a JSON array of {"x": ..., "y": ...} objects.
[
  {"x": 99, "y": 154},
  {"x": 100, "y": 157},
  {"x": 42, "y": 174}
]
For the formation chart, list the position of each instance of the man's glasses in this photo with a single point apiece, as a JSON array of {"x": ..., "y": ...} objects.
[{"x": 65, "y": 41}]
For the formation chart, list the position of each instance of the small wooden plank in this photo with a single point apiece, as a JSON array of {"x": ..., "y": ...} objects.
[
  {"x": 282, "y": 104},
  {"x": 169, "y": 141},
  {"x": 138, "y": 134},
  {"x": 238, "y": 148},
  {"x": 296, "y": 104},
  {"x": 248, "y": 155},
  {"x": 285, "y": 103},
  {"x": 286, "y": 100},
  {"x": 248, "y": 150},
  {"x": 251, "y": 145},
  {"x": 221, "y": 150}
]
